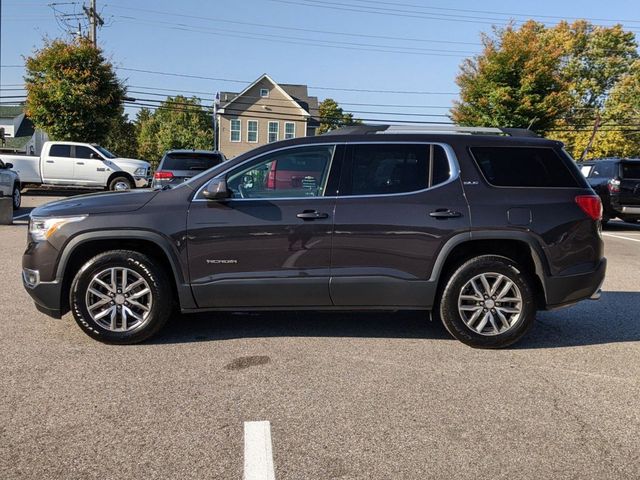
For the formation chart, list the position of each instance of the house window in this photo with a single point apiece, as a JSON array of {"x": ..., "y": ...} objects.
[
  {"x": 289, "y": 130},
  {"x": 264, "y": 92},
  {"x": 274, "y": 130},
  {"x": 235, "y": 130},
  {"x": 252, "y": 131}
]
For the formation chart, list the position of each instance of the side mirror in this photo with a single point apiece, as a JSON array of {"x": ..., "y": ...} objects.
[
  {"x": 95, "y": 156},
  {"x": 8, "y": 166},
  {"x": 216, "y": 190}
]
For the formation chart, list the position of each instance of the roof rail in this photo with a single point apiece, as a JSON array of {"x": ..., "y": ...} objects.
[{"x": 442, "y": 129}]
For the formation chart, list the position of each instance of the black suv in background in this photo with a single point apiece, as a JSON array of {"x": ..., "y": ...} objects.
[
  {"x": 177, "y": 166},
  {"x": 617, "y": 182},
  {"x": 480, "y": 227}
]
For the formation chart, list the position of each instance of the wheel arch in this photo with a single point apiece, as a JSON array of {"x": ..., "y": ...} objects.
[
  {"x": 518, "y": 246},
  {"x": 121, "y": 173},
  {"x": 85, "y": 246}
]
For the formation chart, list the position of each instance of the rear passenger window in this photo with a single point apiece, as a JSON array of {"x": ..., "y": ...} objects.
[
  {"x": 631, "y": 170},
  {"x": 378, "y": 169},
  {"x": 523, "y": 167},
  {"x": 60, "y": 151}
]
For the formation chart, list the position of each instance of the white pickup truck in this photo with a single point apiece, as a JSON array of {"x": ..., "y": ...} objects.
[{"x": 86, "y": 165}]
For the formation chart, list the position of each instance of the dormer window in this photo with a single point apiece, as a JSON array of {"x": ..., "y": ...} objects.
[{"x": 264, "y": 92}]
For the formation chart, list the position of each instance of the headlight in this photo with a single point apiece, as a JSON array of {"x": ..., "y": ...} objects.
[
  {"x": 141, "y": 172},
  {"x": 41, "y": 229}
]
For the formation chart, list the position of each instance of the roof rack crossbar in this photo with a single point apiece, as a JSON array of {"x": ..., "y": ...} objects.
[{"x": 442, "y": 129}]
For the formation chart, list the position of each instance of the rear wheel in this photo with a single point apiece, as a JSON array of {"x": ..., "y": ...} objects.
[
  {"x": 121, "y": 297},
  {"x": 488, "y": 302},
  {"x": 17, "y": 197},
  {"x": 120, "y": 184}
]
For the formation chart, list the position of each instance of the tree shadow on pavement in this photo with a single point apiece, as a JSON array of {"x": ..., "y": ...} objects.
[{"x": 614, "y": 318}]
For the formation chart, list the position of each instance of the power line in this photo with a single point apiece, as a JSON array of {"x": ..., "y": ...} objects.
[{"x": 316, "y": 87}]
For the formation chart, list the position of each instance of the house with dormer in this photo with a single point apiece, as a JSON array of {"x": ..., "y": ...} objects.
[{"x": 262, "y": 113}]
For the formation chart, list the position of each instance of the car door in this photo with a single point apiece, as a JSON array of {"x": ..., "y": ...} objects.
[
  {"x": 399, "y": 203},
  {"x": 89, "y": 166},
  {"x": 268, "y": 245},
  {"x": 58, "y": 165}
]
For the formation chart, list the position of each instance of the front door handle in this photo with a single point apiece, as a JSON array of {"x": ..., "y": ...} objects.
[
  {"x": 444, "y": 213},
  {"x": 79, "y": 163},
  {"x": 50, "y": 161},
  {"x": 312, "y": 215}
]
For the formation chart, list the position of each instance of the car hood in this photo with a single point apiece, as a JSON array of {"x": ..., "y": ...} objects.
[
  {"x": 129, "y": 164},
  {"x": 94, "y": 203}
]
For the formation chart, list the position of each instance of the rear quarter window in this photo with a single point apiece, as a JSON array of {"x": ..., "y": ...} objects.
[
  {"x": 525, "y": 167},
  {"x": 631, "y": 170},
  {"x": 193, "y": 162}
]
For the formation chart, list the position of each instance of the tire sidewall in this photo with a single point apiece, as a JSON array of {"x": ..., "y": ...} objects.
[
  {"x": 16, "y": 200},
  {"x": 448, "y": 307},
  {"x": 161, "y": 294}
]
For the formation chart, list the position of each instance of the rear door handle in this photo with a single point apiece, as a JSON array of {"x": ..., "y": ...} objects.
[
  {"x": 444, "y": 213},
  {"x": 312, "y": 215},
  {"x": 79, "y": 163}
]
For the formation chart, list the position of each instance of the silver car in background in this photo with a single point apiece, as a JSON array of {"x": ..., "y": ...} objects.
[{"x": 10, "y": 184}]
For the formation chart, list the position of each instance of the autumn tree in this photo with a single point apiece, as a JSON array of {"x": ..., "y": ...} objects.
[
  {"x": 332, "y": 116},
  {"x": 122, "y": 138},
  {"x": 555, "y": 80},
  {"x": 72, "y": 91},
  {"x": 179, "y": 122}
]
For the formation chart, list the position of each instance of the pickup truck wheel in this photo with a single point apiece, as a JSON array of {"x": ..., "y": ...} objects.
[
  {"x": 17, "y": 197},
  {"x": 120, "y": 184},
  {"x": 488, "y": 302},
  {"x": 121, "y": 297}
]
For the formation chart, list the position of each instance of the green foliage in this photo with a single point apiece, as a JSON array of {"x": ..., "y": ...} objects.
[
  {"x": 122, "y": 138},
  {"x": 332, "y": 116},
  {"x": 555, "y": 80},
  {"x": 179, "y": 122},
  {"x": 72, "y": 91}
]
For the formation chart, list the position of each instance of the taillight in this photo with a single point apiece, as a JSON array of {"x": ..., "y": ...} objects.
[
  {"x": 613, "y": 185},
  {"x": 591, "y": 205},
  {"x": 163, "y": 175}
]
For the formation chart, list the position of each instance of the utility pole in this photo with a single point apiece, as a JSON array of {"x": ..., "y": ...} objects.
[
  {"x": 596, "y": 126},
  {"x": 95, "y": 21}
]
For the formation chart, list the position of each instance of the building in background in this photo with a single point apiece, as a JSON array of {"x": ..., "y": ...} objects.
[
  {"x": 20, "y": 136},
  {"x": 262, "y": 113}
]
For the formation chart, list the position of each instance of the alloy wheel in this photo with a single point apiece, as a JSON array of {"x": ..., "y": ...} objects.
[{"x": 490, "y": 304}]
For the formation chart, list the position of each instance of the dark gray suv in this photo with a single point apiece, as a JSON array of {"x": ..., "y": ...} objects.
[{"x": 480, "y": 227}]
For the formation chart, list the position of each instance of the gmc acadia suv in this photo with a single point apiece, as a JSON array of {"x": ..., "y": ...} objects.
[{"x": 480, "y": 227}]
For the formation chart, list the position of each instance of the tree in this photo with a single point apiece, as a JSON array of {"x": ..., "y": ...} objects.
[
  {"x": 122, "y": 138},
  {"x": 72, "y": 91},
  {"x": 332, "y": 116},
  {"x": 543, "y": 78},
  {"x": 179, "y": 122}
]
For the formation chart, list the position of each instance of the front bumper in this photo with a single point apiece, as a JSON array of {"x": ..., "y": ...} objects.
[
  {"x": 46, "y": 295},
  {"x": 142, "y": 182},
  {"x": 568, "y": 289}
]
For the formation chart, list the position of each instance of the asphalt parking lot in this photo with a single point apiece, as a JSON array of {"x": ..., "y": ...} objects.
[{"x": 348, "y": 396}]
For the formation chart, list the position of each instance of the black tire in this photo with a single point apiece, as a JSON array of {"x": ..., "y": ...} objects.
[
  {"x": 118, "y": 181},
  {"x": 452, "y": 318},
  {"x": 17, "y": 197},
  {"x": 155, "y": 277}
]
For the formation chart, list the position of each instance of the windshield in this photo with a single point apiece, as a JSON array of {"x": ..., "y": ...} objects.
[{"x": 106, "y": 153}]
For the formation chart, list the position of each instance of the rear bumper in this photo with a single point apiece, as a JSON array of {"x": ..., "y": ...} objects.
[{"x": 566, "y": 290}]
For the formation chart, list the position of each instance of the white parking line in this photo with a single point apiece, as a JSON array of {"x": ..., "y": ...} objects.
[
  {"x": 21, "y": 216},
  {"x": 620, "y": 236},
  {"x": 258, "y": 454}
]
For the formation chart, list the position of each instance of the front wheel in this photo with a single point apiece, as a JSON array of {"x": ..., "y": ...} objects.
[
  {"x": 17, "y": 197},
  {"x": 121, "y": 297},
  {"x": 488, "y": 302},
  {"x": 120, "y": 184}
]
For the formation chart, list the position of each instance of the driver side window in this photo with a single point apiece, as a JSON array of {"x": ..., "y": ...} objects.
[{"x": 292, "y": 173}]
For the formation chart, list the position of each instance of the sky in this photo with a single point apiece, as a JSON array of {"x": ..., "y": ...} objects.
[{"x": 381, "y": 59}]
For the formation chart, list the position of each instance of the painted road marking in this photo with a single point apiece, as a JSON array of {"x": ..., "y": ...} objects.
[
  {"x": 21, "y": 216},
  {"x": 620, "y": 236},
  {"x": 258, "y": 454}
]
